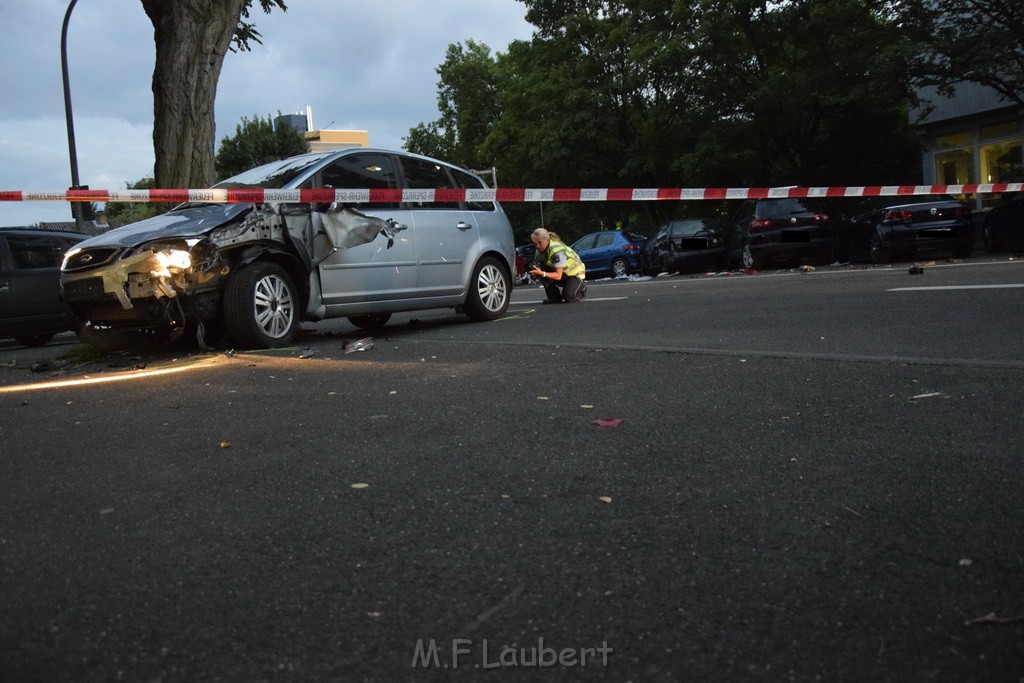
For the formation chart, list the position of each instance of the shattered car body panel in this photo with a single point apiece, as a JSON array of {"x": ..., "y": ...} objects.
[{"x": 239, "y": 265}]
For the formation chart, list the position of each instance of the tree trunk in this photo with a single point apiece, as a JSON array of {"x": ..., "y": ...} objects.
[{"x": 192, "y": 38}]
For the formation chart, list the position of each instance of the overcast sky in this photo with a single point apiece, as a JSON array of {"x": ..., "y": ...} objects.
[{"x": 361, "y": 64}]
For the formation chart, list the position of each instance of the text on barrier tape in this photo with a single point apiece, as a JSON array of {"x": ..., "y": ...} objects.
[{"x": 501, "y": 194}]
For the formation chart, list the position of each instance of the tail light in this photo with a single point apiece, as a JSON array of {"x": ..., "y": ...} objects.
[
  {"x": 630, "y": 247},
  {"x": 962, "y": 211},
  {"x": 898, "y": 215},
  {"x": 761, "y": 224},
  {"x": 820, "y": 217}
]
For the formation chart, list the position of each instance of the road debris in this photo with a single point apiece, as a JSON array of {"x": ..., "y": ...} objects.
[
  {"x": 364, "y": 344},
  {"x": 608, "y": 422},
  {"x": 991, "y": 618}
]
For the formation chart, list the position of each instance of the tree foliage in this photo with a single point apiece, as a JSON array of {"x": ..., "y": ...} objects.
[
  {"x": 668, "y": 93},
  {"x": 973, "y": 40},
  {"x": 257, "y": 141},
  {"x": 192, "y": 37},
  {"x": 130, "y": 212}
]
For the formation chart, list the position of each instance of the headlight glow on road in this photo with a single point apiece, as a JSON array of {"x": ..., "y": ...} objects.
[{"x": 118, "y": 377}]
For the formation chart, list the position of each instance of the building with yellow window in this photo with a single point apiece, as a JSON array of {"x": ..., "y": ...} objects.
[{"x": 975, "y": 136}]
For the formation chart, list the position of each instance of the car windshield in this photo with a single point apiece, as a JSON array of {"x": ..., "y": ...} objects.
[{"x": 273, "y": 176}]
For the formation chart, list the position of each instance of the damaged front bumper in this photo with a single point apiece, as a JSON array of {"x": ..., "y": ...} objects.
[{"x": 139, "y": 287}]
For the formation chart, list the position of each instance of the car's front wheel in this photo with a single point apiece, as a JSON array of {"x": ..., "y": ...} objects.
[
  {"x": 261, "y": 306},
  {"x": 489, "y": 291}
]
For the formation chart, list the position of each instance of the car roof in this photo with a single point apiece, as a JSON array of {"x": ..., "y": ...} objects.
[{"x": 42, "y": 231}]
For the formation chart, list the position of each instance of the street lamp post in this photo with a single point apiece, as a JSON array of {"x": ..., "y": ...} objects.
[{"x": 76, "y": 208}]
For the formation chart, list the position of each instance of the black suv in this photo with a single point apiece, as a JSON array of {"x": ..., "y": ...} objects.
[
  {"x": 766, "y": 232},
  {"x": 31, "y": 310}
]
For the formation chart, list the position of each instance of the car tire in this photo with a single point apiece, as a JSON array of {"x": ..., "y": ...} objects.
[
  {"x": 371, "y": 321},
  {"x": 619, "y": 267},
  {"x": 261, "y": 306},
  {"x": 876, "y": 250},
  {"x": 747, "y": 259},
  {"x": 992, "y": 245},
  {"x": 33, "y": 340},
  {"x": 489, "y": 291}
]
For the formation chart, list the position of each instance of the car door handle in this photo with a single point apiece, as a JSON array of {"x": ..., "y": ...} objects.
[{"x": 463, "y": 225}]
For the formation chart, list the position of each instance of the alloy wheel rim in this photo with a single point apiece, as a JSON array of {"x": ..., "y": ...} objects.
[
  {"x": 274, "y": 308},
  {"x": 491, "y": 287}
]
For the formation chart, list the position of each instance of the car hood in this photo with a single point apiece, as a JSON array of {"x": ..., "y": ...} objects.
[{"x": 192, "y": 221}]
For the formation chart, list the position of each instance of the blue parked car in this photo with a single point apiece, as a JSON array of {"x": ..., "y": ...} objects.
[{"x": 612, "y": 252}]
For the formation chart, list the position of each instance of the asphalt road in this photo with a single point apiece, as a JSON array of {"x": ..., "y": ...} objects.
[{"x": 817, "y": 476}]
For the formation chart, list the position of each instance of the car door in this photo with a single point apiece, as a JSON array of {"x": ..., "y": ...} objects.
[
  {"x": 447, "y": 232},
  {"x": 369, "y": 276}
]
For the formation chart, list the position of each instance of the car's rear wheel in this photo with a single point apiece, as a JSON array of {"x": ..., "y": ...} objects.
[
  {"x": 619, "y": 267},
  {"x": 991, "y": 244},
  {"x": 261, "y": 306},
  {"x": 747, "y": 259},
  {"x": 876, "y": 250},
  {"x": 489, "y": 291},
  {"x": 33, "y": 339},
  {"x": 371, "y": 321}
]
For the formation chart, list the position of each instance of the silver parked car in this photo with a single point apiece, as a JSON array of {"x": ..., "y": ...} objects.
[{"x": 254, "y": 271}]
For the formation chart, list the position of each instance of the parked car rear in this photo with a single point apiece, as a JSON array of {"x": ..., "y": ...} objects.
[
  {"x": 772, "y": 232},
  {"x": 685, "y": 245},
  {"x": 884, "y": 228},
  {"x": 610, "y": 252},
  {"x": 31, "y": 310},
  {"x": 1003, "y": 226}
]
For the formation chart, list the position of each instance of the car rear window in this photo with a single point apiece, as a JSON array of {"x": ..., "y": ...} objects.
[{"x": 784, "y": 208}]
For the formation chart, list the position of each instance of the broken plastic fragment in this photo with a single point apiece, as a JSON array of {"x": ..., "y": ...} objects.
[
  {"x": 608, "y": 422},
  {"x": 225, "y": 444},
  {"x": 364, "y": 344},
  {"x": 360, "y": 486},
  {"x": 308, "y": 352},
  {"x": 605, "y": 499}
]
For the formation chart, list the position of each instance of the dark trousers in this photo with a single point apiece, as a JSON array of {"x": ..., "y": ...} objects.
[{"x": 569, "y": 289}]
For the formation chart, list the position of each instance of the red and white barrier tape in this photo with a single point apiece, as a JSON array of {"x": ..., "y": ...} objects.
[{"x": 501, "y": 194}]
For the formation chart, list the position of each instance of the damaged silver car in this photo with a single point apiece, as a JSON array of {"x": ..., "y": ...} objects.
[{"x": 253, "y": 272}]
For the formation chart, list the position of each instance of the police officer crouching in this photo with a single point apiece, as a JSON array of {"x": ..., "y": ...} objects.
[{"x": 560, "y": 269}]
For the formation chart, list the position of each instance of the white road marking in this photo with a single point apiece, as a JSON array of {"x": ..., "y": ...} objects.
[{"x": 948, "y": 287}]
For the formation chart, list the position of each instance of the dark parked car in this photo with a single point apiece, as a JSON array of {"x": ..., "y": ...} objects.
[
  {"x": 524, "y": 257},
  {"x": 1004, "y": 225},
  {"x": 614, "y": 252},
  {"x": 31, "y": 310},
  {"x": 689, "y": 245},
  {"x": 884, "y": 227},
  {"x": 768, "y": 232}
]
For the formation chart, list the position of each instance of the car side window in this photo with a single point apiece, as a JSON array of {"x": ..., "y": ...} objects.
[
  {"x": 469, "y": 182},
  {"x": 605, "y": 240},
  {"x": 361, "y": 172},
  {"x": 421, "y": 174},
  {"x": 29, "y": 251},
  {"x": 585, "y": 242}
]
